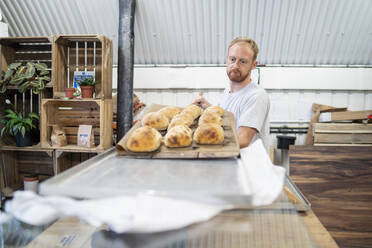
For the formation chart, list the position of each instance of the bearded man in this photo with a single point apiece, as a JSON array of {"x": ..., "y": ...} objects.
[{"x": 248, "y": 102}]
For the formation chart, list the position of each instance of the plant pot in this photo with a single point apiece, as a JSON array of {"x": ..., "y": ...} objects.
[
  {"x": 70, "y": 92},
  {"x": 24, "y": 141},
  {"x": 31, "y": 182},
  {"x": 86, "y": 91}
]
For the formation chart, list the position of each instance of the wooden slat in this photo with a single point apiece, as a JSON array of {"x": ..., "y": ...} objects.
[
  {"x": 338, "y": 183},
  {"x": 342, "y": 128},
  {"x": 33, "y": 56},
  {"x": 350, "y": 115},
  {"x": 341, "y": 138}
]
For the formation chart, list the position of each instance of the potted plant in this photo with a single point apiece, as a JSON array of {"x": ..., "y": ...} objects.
[
  {"x": 26, "y": 76},
  {"x": 86, "y": 86},
  {"x": 70, "y": 92},
  {"x": 15, "y": 124}
]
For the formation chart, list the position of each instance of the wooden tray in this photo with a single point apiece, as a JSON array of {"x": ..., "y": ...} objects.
[{"x": 229, "y": 148}]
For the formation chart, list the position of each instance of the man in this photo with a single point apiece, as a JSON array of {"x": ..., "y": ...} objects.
[{"x": 246, "y": 100}]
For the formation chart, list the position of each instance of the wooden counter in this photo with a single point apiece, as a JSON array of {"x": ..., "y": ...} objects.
[{"x": 338, "y": 182}]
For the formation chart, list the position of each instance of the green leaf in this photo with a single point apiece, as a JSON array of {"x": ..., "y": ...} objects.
[
  {"x": 43, "y": 73},
  {"x": 24, "y": 87},
  {"x": 8, "y": 74},
  {"x": 28, "y": 122},
  {"x": 30, "y": 70},
  {"x": 3, "y": 88},
  {"x": 23, "y": 131},
  {"x": 11, "y": 116},
  {"x": 14, "y": 65},
  {"x": 17, "y": 80},
  {"x": 3, "y": 131},
  {"x": 20, "y": 115},
  {"x": 33, "y": 115},
  {"x": 20, "y": 71},
  {"x": 41, "y": 66}
]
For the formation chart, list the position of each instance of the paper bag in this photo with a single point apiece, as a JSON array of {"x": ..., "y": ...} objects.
[
  {"x": 85, "y": 136},
  {"x": 58, "y": 136}
]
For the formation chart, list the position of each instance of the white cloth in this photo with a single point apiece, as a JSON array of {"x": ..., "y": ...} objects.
[
  {"x": 250, "y": 106},
  {"x": 149, "y": 213},
  {"x": 266, "y": 180},
  {"x": 142, "y": 213}
]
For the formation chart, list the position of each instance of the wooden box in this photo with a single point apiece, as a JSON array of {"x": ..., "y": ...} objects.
[
  {"x": 24, "y": 49},
  {"x": 82, "y": 53},
  {"x": 17, "y": 163},
  {"x": 342, "y": 134},
  {"x": 69, "y": 114}
]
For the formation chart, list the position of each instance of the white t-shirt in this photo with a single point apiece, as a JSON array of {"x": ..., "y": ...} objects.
[{"x": 250, "y": 107}]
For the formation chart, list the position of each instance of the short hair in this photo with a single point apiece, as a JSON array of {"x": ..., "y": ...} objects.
[{"x": 251, "y": 43}]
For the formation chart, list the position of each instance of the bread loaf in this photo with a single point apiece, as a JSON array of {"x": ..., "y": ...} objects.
[
  {"x": 169, "y": 111},
  {"x": 215, "y": 109},
  {"x": 144, "y": 139},
  {"x": 210, "y": 117},
  {"x": 156, "y": 120},
  {"x": 209, "y": 134},
  {"x": 183, "y": 118},
  {"x": 178, "y": 136},
  {"x": 193, "y": 109}
]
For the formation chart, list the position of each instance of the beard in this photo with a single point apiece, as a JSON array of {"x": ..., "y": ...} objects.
[{"x": 237, "y": 76}]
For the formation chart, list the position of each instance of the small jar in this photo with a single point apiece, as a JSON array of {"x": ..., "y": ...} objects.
[{"x": 31, "y": 182}]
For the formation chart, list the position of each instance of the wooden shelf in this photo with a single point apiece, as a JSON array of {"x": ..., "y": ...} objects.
[
  {"x": 35, "y": 148},
  {"x": 75, "y": 148}
]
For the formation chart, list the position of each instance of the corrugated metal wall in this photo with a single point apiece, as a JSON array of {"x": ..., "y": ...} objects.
[{"x": 312, "y": 32}]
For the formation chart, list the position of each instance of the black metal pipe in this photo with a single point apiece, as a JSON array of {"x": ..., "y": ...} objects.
[{"x": 125, "y": 67}]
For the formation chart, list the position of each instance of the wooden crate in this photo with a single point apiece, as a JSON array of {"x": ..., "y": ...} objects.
[
  {"x": 342, "y": 134},
  {"x": 69, "y": 114},
  {"x": 18, "y": 163},
  {"x": 24, "y": 49},
  {"x": 82, "y": 53}
]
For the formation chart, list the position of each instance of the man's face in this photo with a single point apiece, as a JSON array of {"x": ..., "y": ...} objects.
[{"x": 240, "y": 62}]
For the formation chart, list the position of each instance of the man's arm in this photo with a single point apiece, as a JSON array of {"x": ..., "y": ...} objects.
[{"x": 245, "y": 135}]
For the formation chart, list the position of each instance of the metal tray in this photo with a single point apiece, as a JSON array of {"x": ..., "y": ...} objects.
[
  {"x": 108, "y": 175},
  {"x": 302, "y": 204}
]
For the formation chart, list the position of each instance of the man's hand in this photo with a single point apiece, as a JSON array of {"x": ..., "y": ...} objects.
[
  {"x": 199, "y": 100},
  {"x": 245, "y": 136}
]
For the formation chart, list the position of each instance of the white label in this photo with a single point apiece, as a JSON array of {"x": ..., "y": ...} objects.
[
  {"x": 80, "y": 75},
  {"x": 67, "y": 240}
]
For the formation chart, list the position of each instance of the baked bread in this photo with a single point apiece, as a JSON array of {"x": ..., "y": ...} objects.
[
  {"x": 155, "y": 120},
  {"x": 169, "y": 111},
  {"x": 183, "y": 118},
  {"x": 144, "y": 139},
  {"x": 209, "y": 134},
  {"x": 178, "y": 136},
  {"x": 215, "y": 109},
  {"x": 193, "y": 109},
  {"x": 210, "y": 117}
]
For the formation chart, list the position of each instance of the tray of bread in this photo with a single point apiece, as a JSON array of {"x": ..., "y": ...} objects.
[{"x": 189, "y": 132}]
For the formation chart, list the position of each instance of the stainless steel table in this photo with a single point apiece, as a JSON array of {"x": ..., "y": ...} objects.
[{"x": 277, "y": 225}]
